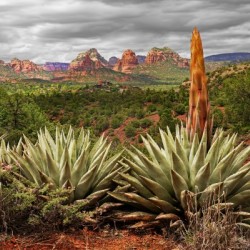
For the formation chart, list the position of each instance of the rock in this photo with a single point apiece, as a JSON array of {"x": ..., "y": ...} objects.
[
  {"x": 87, "y": 61},
  {"x": 112, "y": 61},
  {"x": 55, "y": 66},
  {"x": 141, "y": 59},
  {"x": 1, "y": 62},
  {"x": 128, "y": 62},
  {"x": 24, "y": 66},
  {"x": 163, "y": 54}
]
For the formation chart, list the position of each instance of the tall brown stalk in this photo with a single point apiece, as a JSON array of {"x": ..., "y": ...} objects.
[{"x": 199, "y": 108}]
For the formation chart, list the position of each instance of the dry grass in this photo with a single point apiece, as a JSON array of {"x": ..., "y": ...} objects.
[{"x": 214, "y": 227}]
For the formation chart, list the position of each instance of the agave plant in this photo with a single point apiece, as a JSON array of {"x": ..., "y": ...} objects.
[
  {"x": 5, "y": 150},
  {"x": 191, "y": 168},
  {"x": 69, "y": 161},
  {"x": 183, "y": 173}
]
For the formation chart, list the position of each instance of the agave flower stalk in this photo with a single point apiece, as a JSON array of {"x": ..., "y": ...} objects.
[{"x": 199, "y": 108}]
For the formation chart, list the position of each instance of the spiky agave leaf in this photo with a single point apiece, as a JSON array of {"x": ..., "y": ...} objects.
[{"x": 69, "y": 161}]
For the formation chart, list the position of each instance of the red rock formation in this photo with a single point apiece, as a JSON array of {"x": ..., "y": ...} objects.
[
  {"x": 24, "y": 66},
  {"x": 160, "y": 55},
  {"x": 1, "y": 62},
  {"x": 82, "y": 65},
  {"x": 128, "y": 62},
  {"x": 88, "y": 61}
]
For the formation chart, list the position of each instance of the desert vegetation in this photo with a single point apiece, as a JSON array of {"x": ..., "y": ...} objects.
[{"x": 189, "y": 180}]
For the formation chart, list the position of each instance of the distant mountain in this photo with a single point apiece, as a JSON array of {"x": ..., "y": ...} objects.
[
  {"x": 156, "y": 55},
  {"x": 55, "y": 66},
  {"x": 112, "y": 61},
  {"x": 141, "y": 59},
  {"x": 241, "y": 56}
]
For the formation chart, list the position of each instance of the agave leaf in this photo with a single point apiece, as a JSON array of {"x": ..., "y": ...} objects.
[
  {"x": 168, "y": 141},
  {"x": 233, "y": 180},
  {"x": 217, "y": 173},
  {"x": 64, "y": 158},
  {"x": 169, "y": 216},
  {"x": 198, "y": 162},
  {"x": 136, "y": 168},
  {"x": 161, "y": 192},
  {"x": 154, "y": 171},
  {"x": 180, "y": 167},
  {"x": 50, "y": 140},
  {"x": 181, "y": 152},
  {"x": 142, "y": 201},
  {"x": 141, "y": 216},
  {"x": 106, "y": 182},
  {"x": 80, "y": 166},
  {"x": 244, "y": 225},
  {"x": 201, "y": 179},
  {"x": 106, "y": 151},
  {"x": 24, "y": 166},
  {"x": 246, "y": 186},
  {"x": 94, "y": 197},
  {"x": 98, "y": 147},
  {"x": 241, "y": 198},
  {"x": 72, "y": 152},
  {"x": 194, "y": 148},
  {"x": 108, "y": 166},
  {"x": 159, "y": 158},
  {"x": 213, "y": 153},
  {"x": 65, "y": 173},
  {"x": 84, "y": 185},
  {"x": 122, "y": 197},
  {"x": 228, "y": 146},
  {"x": 241, "y": 157},
  {"x": 179, "y": 184},
  {"x": 165, "y": 206},
  {"x": 53, "y": 169},
  {"x": 137, "y": 185}
]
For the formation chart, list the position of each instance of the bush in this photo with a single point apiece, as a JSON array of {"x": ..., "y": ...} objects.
[
  {"x": 145, "y": 123},
  {"x": 130, "y": 131}
]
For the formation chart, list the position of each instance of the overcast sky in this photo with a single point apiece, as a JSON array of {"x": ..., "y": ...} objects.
[{"x": 57, "y": 30}]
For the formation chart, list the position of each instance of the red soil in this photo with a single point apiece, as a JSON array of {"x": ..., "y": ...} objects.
[{"x": 89, "y": 240}]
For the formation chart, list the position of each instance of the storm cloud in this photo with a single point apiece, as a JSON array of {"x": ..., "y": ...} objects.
[{"x": 45, "y": 30}]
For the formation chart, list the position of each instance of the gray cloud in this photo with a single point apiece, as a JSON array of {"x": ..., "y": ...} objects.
[{"x": 45, "y": 30}]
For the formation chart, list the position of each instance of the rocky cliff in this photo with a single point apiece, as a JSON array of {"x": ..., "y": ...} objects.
[
  {"x": 55, "y": 66},
  {"x": 23, "y": 66},
  {"x": 128, "y": 62},
  {"x": 163, "y": 54},
  {"x": 87, "y": 61}
]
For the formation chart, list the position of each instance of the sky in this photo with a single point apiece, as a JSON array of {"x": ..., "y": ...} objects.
[{"x": 57, "y": 30}]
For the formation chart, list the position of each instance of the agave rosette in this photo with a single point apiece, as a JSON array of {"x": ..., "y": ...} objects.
[
  {"x": 69, "y": 161},
  {"x": 182, "y": 174}
]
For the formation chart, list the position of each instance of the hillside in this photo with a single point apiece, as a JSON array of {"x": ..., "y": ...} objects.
[
  {"x": 230, "y": 92},
  {"x": 231, "y": 57}
]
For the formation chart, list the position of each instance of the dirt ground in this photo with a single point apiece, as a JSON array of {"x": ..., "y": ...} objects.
[{"x": 90, "y": 240}]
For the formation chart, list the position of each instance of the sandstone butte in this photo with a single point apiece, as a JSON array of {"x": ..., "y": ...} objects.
[
  {"x": 23, "y": 66},
  {"x": 88, "y": 61},
  {"x": 163, "y": 54},
  {"x": 128, "y": 62}
]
